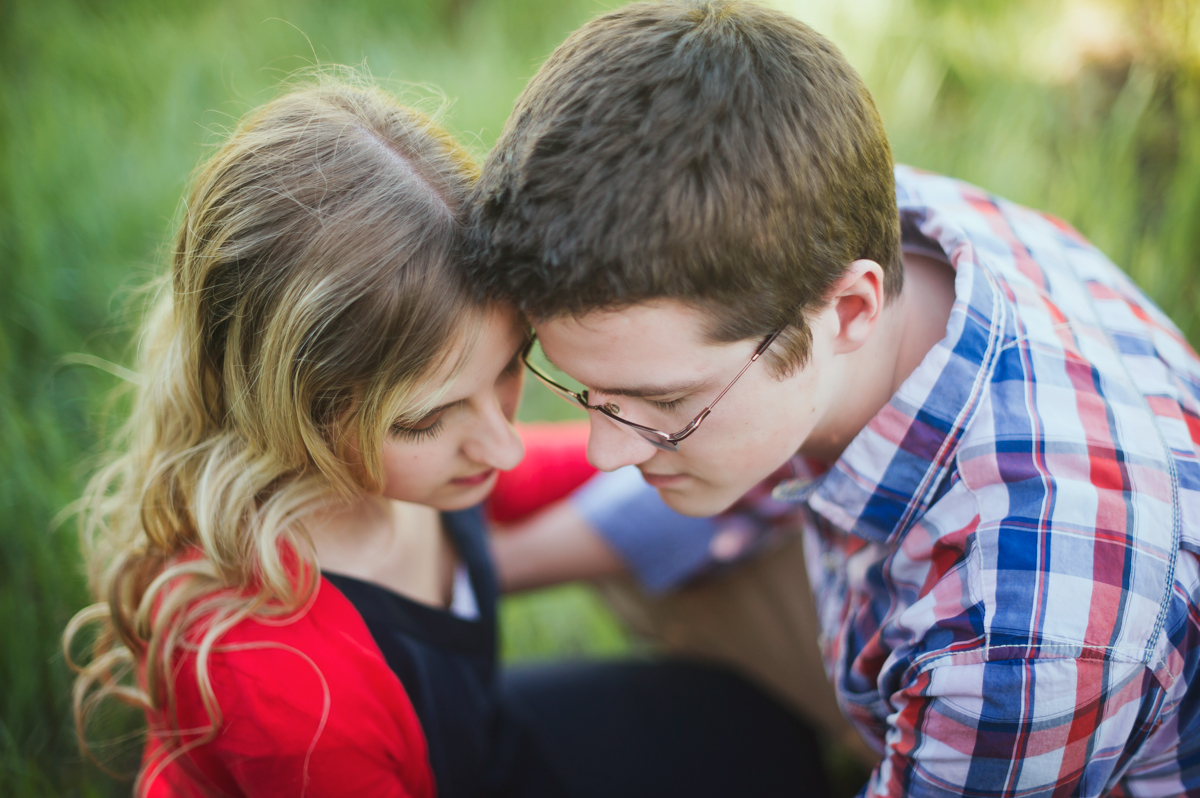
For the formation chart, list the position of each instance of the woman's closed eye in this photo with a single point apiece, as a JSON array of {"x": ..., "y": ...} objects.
[{"x": 420, "y": 430}]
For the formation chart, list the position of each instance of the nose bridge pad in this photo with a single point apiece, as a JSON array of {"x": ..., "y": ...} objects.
[
  {"x": 635, "y": 434},
  {"x": 663, "y": 444},
  {"x": 608, "y": 452},
  {"x": 625, "y": 428},
  {"x": 657, "y": 442}
]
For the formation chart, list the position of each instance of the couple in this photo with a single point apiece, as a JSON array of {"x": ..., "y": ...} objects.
[{"x": 989, "y": 436}]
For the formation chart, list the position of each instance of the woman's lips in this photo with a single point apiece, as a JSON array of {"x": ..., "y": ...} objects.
[
  {"x": 663, "y": 480},
  {"x": 475, "y": 479}
]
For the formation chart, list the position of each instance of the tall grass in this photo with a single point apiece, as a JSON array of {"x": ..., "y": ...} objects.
[{"x": 1087, "y": 110}]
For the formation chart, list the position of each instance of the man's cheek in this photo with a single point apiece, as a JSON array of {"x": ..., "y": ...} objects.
[{"x": 681, "y": 501}]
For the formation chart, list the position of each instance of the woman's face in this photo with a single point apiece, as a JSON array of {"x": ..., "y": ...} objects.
[{"x": 449, "y": 459}]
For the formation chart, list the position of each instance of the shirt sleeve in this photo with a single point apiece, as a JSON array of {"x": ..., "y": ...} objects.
[
  {"x": 1011, "y": 727},
  {"x": 318, "y": 739},
  {"x": 662, "y": 548},
  {"x": 306, "y": 708}
]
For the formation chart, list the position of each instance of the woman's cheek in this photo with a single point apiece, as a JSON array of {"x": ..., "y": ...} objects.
[{"x": 402, "y": 471}]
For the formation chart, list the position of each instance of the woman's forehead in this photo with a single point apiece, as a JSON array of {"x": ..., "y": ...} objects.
[{"x": 483, "y": 342}]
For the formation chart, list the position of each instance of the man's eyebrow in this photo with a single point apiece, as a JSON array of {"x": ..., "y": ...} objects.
[{"x": 640, "y": 391}]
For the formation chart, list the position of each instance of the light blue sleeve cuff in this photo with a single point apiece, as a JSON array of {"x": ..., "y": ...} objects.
[{"x": 663, "y": 548}]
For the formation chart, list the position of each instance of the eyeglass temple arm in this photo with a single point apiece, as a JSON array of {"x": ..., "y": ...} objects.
[{"x": 762, "y": 348}]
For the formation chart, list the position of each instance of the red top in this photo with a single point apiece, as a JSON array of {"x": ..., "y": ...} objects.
[{"x": 310, "y": 707}]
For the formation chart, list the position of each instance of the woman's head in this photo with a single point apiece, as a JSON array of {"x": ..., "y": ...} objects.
[
  {"x": 311, "y": 342},
  {"x": 310, "y": 280}
]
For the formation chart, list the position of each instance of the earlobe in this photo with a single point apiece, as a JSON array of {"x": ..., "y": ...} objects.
[{"x": 857, "y": 298}]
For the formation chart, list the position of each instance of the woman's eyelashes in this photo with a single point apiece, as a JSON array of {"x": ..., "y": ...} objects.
[{"x": 423, "y": 429}]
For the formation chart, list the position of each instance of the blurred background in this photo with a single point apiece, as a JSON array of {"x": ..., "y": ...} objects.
[{"x": 1089, "y": 109}]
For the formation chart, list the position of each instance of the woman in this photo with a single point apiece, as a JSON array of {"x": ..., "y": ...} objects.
[{"x": 318, "y": 389}]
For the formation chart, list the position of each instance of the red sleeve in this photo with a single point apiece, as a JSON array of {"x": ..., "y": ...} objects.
[
  {"x": 308, "y": 708},
  {"x": 555, "y": 464}
]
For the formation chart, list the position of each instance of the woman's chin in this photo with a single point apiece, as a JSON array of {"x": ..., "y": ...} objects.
[{"x": 461, "y": 494}]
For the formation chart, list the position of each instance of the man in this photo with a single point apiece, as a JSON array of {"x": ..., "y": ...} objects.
[{"x": 695, "y": 204}]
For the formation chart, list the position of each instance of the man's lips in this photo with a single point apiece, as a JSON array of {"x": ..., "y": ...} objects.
[
  {"x": 663, "y": 480},
  {"x": 474, "y": 479}
]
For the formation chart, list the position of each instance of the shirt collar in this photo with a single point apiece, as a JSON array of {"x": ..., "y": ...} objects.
[{"x": 890, "y": 473}]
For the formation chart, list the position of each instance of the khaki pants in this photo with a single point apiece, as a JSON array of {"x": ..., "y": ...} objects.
[{"x": 758, "y": 618}]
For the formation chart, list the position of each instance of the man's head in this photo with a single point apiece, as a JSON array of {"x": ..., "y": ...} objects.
[{"x": 719, "y": 158}]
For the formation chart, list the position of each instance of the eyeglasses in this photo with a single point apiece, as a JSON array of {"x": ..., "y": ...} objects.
[{"x": 668, "y": 442}]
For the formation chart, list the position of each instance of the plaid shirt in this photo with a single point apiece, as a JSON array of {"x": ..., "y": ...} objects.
[{"x": 1005, "y": 558}]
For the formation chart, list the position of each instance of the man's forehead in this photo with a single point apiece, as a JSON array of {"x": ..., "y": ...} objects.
[
  {"x": 685, "y": 323},
  {"x": 649, "y": 349}
]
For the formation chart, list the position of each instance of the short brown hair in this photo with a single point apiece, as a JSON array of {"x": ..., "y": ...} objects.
[{"x": 719, "y": 153}]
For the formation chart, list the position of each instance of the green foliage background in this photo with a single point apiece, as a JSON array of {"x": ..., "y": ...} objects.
[{"x": 1087, "y": 109}]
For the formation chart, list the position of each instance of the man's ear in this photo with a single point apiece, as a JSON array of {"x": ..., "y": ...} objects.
[{"x": 857, "y": 299}]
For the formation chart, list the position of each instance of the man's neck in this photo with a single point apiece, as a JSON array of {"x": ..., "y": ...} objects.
[
  {"x": 928, "y": 297},
  {"x": 910, "y": 326}
]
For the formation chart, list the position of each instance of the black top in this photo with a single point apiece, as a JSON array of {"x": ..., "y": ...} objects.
[{"x": 447, "y": 664}]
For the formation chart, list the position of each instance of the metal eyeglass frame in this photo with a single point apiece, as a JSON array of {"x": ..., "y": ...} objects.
[{"x": 657, "y": 438}]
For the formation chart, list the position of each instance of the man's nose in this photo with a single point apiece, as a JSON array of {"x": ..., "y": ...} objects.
[{"x": 610, "y": 447}]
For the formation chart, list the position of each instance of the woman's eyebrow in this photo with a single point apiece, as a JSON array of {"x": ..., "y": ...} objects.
[{"x": 446, "y": 406}]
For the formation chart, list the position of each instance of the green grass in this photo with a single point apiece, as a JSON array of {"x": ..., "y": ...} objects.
[{"x": 105, "y": 107}]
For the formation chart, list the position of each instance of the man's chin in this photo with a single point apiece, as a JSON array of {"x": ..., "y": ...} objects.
[{"x": 695, "y": 501}]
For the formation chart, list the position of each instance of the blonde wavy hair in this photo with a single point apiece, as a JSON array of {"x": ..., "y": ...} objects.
[{"x": 310, "y": 293}]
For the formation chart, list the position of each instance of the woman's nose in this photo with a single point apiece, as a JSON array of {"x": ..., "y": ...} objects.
[{"x": 495, "y": 442}]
